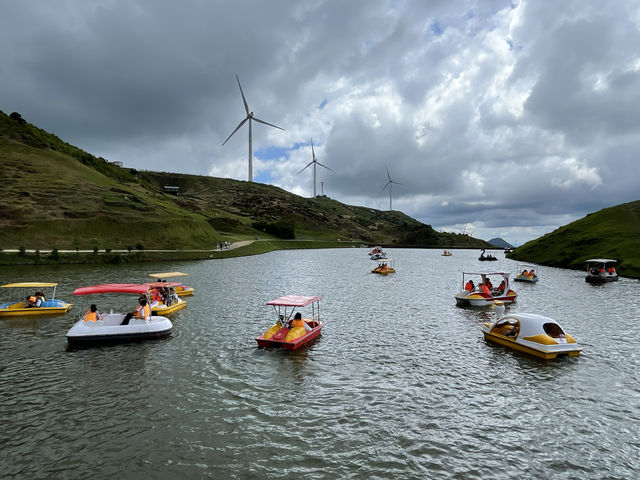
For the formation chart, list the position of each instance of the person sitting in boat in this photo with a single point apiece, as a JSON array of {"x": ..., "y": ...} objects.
[
  {"x": 502, "y": 287},
  {"x": 142, "y": 311},
  {"x": 531, "y": 274},
  {"x": 485, "y": 289},
  {"x": 612, "y": 271},
  {"x": 299, "y": 322},
  {"x": 92, "y": 314},
  {"x": 30, "y": 301},
  {"x": 469, "y": 286},
  {"x": 156, "y": 299},
  {"x": 489, "y": 284},
  {"x": 39, "y": 298},
  {"x": 524, "y": 273}
]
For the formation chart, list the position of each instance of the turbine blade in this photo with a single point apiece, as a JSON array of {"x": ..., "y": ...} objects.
[
  {"x": 397, "y": 183},
  {"x": 385, "y": 186},
  {"x": 267, "y": 123},
  {"x": 389, "y": 176},
  {"x": 304, "y": 168},
  {"x": 244, "y": 100},
  {"x": 326, "y": 167},
  {"x": 313, "y": 153},
  {"x": 237, "y": 128}
]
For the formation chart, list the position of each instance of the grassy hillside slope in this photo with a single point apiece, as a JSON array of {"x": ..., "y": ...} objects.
[
  {"x": 610, "y": 233},
  {"x": 58, "y": 196}
]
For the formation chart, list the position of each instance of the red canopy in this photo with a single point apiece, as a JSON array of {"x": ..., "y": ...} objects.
[
  {"x": 294, "y": 301},
  {"x": 133, "y": 288}
]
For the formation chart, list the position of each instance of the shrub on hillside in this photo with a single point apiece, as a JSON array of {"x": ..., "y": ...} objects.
[{"x": 279, "y": 229}]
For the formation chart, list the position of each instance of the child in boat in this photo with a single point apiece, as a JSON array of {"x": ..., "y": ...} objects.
[{"x": 92, "y": 314}]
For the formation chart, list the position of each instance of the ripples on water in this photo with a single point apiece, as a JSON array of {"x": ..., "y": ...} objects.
[{"x": 400, "y": 385}]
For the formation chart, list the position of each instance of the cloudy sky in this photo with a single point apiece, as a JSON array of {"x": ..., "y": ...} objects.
[{"x": 498, "y": 118}]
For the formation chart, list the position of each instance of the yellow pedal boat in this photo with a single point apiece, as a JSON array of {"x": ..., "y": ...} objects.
[
  {"x": 164, "y": 298},
  {"x": 181, "y": 290},
  {"x": 35, "y": 302}
]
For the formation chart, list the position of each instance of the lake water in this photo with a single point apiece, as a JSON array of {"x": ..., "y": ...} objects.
[{"x": 400, "y": 385}]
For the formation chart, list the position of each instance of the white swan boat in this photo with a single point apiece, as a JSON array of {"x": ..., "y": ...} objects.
[{"x": 109, "y": 328}]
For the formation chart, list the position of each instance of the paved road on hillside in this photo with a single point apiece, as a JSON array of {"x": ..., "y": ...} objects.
[{"x": 231, "y": 247}]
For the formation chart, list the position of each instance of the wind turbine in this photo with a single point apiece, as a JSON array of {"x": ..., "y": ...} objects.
[
  {"x": 390, "y": 184},
  {"x": 314, "y": 162},
  {"x": 249, "y": 117}
]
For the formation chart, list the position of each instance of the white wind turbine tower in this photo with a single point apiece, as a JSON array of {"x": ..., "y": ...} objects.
[
  {"x": 390, "y": 185},
  {"x": 314, "y": 162},
  {"x": 249, "y": 117}
]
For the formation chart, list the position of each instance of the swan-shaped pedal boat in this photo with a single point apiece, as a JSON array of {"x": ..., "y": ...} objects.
[{"x": 530, "y": 333}]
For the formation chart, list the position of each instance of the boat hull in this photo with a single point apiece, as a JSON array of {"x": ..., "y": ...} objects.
[
  {"x": 184, "y": 291},
  {"x": 483, "y": 299},
  {"x": 524, "y": 279},
  {"x": 291, "y": 345},
  {"x": 601, "y": 278},
  {"x": 110, "y": 330},
  {"x": 48, "y": 308},
  {"x": 546, "y": 352},
  {"x": 162, "y": 310}
]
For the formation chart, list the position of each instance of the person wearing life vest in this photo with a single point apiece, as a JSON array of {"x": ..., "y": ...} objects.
[
  {"x": 502, "y": 286},
  {"x": 612, "y": 270},
  {"x": 39, "y": 298},
  {"x": 92, "y": 314},
  {"x": 30, "y": 302},
  {"x": 157, "y": 298},
  {"x": 469, "y": 286},
  {"x": 142, "y": 311},
  {"x": 485, "y": 289},
  {"x": 299, "y": 322}
]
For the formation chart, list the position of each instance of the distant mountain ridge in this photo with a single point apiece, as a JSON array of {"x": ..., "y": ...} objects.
[
  {"x": 60, "y": 196},
  {"x": 499, "y": 242}
]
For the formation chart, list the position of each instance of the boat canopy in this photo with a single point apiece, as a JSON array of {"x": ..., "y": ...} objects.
[
  {"x": 600, "y": 260},
  {"x": 167, "y": 274},
  {"x": 486, "y": 273},
  {"x": 29, "y": 285},
  {"x": 162, "y": 284},
  {"x": 294, "y": 301},
  {"x": 133, "y": 288}
]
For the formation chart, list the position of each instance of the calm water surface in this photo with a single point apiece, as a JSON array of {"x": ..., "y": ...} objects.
[{"x": 400, "y": 385}]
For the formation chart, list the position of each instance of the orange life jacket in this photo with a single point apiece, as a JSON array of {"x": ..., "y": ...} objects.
[
  {"x": 485, "y": 289},
  {"x": 143, "y": 312},
  {"x": 468, "y": 287},
  {"x": 91, "y": 316},
  {"x": 298, "y": 323}
]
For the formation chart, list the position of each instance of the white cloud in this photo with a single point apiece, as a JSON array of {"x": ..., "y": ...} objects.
[{"x": 496, "y": 116}]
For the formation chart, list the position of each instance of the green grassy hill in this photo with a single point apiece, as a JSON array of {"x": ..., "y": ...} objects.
[
  {"x": 58, "y": 196},
  {"x": 610, "y": 233}
]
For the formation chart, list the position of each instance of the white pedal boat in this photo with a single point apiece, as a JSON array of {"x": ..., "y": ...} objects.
[
  {"x": 530, "y": 333},
  {"x": 109, "y": 327}
]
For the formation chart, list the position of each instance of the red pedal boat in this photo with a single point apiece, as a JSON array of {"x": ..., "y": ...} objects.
[{"x": 292, "y": 331}]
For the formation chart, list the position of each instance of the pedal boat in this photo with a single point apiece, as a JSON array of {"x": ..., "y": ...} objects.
[
  {"x": 476, "y": 298},
  {"x": 385, "y": 267},
  {"x": 487, "y": 258},
  {"x": 170, "y": 303},
  {"x": 601, "y": 270},
  {"x": 51, "y": 306},
  {"x": 283, "y": 334},
  {"x": 109, "y": 329},
  {"x": 181, "y": 290},
  {"x": 520, "y": 277},
  {"x": 376, "y": 249},
  {"x": 530, "y": 333},
  {"x": 446, "y": 253}
]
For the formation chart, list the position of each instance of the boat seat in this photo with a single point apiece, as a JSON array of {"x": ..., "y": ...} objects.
[{"x": 112, "y": 319}]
